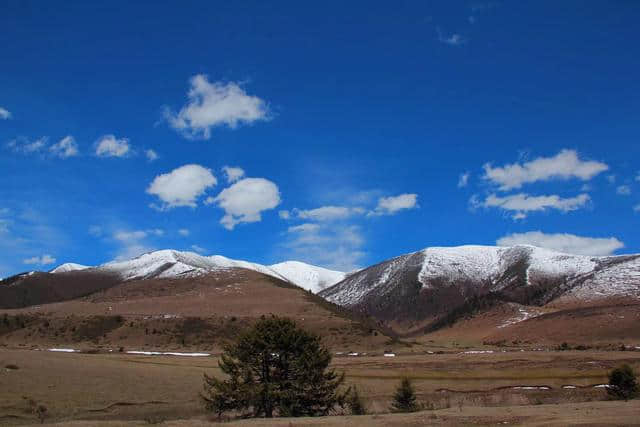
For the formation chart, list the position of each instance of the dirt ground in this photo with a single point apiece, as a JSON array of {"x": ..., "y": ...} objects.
[{"x": 122, "y": 389}]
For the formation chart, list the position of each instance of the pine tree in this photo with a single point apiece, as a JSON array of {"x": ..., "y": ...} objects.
[
  {"x": 404, "y": 399},
  {"x": 275, "y": 368},
  {"x": 622, "y": 383}
]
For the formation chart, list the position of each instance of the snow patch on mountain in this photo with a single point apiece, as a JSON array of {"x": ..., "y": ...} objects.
[
  {"x": 69, "y": 266},
  {"x": 309, "y": 277}
]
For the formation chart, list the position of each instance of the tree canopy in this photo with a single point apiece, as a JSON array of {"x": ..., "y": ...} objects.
[
  {"x": 623, "y": 383},
  {"x": 275, "y": 368},
  {"x": 404, "y": 399}
]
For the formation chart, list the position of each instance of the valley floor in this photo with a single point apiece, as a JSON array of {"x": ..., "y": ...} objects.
[{"x": 530, "y": 387}]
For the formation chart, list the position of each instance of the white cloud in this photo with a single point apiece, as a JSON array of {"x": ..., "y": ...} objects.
[
  {"x": 636, "y": 208},
  {"x": 110, "y": 146},
  {"x": 40, "y": 260},
  {"x": 522, "y": 203},
  {"x": 66, "y": 147},
  {"x": 184, "y": 232},
  {"x": 392, "y": 205},
  {"x": 452, "y": 40},
  {"x": 328, "y": 213},
  {"x": 623, "y": 190},
  {"x": 26, "y": 146},
  {"x": 198, "y": 249},
  {"x": 233, "y": 174},
  {"x": 4, "y": 114},
  {"x": 638, "y": 177},
  {"x": 284, "y": 214},
  {"x": 564, "y": 242},
  {"x": 245, "y": 200},
  {"x": 564, "y": 165},
  {"x": 129, "y": 236},
  {"x": 303, "y": 228},
  {"x": 151, "y": 155},
  {"x": 182, "y": 186},
  {"x": 329, "y": 245},
  {"x": 134, "y": 243},
  {"x": 215, "y": 104},
  {"x": 463, "y": 179}
]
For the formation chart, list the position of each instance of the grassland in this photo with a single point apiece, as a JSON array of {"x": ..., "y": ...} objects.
[{"x": 122, "y": 389}]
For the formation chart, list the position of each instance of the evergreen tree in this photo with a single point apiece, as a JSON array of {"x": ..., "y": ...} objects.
[
  {"x": 404, "y": 399},
  {"x": 354, "y": 402},
  {"x": 622, "y": 383},
  {"x": 275, "y": 368}
]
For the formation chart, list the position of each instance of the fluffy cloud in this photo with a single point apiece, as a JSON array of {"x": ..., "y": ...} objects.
[
  {"x": 184, "y": 232},
  {"x": 563, "y": 242},
  {"x": 26, "y": 146},
  {"x": 463, "y": 179},
  {"x": 392, "y": 205},
  {"x": 245, "y": 200},
  {"x": 636, "y": 208},
  {"x": 623, "y": 190},
  {"x": 40, "y": 260},
  {"x": 327, "y": 213},
  {"x": 4, "y": 114},
  {"x": 522, "y": 203},
  {"x": 182, "y": 186},
  {"x": 66, "y": 147},
  {"x": 110, "y": 146},
  {"x": 215, "y": 104},
  {"x": 232, "y": 174},
  {"x": 564, "y": 165},
  {"x": 151, "y": 155}
]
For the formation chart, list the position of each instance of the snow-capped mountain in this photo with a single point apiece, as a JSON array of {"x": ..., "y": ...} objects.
[
  {"x": 430, "y": 283},
  {"x": 165, "y": 264}
]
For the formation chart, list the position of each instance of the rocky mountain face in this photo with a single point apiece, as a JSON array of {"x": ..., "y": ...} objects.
[{"x": 425, "y": 289}]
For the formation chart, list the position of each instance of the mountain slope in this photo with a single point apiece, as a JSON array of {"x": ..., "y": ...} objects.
[
  {"x": 69, "y": 281},
  {"x": 415, "y": 290}
]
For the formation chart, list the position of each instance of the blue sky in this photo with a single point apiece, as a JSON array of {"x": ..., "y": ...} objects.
[{"x": 354, "y": 132}]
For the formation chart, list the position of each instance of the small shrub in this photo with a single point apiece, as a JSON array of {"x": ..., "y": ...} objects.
[
  {"x": 41, "y": 412},
  {"x": 623, "y": 383},
  {"x": 355, "y": 403},
  {"x": 404, "y": 399}
]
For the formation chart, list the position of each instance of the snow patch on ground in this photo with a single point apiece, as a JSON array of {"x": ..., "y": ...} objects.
[
  {"x": 63, "y": 350},
  {"x": 523, "y": 314},
  {"x": 167, "y": 353}
]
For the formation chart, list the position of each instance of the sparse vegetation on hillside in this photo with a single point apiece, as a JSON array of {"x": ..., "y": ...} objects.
[
  {"x": 275, "y": 369},
  {"x": 623, "y": 383}
]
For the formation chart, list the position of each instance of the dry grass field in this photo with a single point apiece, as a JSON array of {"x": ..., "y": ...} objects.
[{"x": 122, "y": 389}]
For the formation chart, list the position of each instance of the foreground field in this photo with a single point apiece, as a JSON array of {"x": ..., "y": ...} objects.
[{"x": 459, "y": 388}]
